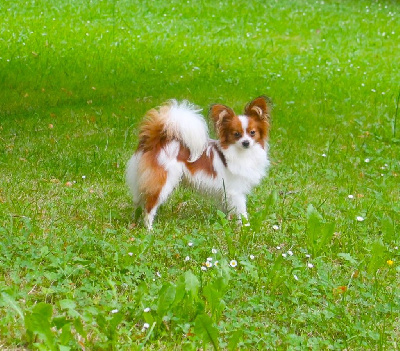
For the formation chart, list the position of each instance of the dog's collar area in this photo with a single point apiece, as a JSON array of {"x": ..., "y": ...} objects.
[{"x": 221, "y": 155}]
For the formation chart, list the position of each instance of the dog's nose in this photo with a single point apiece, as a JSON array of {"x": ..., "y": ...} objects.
[{"x": 246, "y": 144}]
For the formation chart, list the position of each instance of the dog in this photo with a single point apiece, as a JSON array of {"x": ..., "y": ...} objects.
[{"x": 174, "y": 145}]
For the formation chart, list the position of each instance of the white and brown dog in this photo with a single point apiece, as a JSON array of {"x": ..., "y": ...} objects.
[{"x": 174, "y": 145}]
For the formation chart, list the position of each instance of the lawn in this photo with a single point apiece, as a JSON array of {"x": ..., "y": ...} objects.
[{"x": 318, "y": 268}]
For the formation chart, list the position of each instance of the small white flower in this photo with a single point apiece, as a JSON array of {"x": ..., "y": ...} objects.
[
  {"x": 214, "y": 251},
  {"x": 290, "y": 253},
  {"x": 284, "y": 255},
  {"x": 233, "y": 263},
  {"x": 295, "y": 277},
  {"x": 147, "y": 309},
  {"x": 203, "y": 268},
  {"x": 208, "y": 264},
  {"x": 310, "y": 265},
  {"x": 209, "y": 259},
  {"x": 216, "y": 263},
  {"x": 275, "y": 227},
  {"x": 308, "y": 255},
  {"x": 158, "y": 274},
  {"x": 252, "y": 257},
  {"x": 323, "y": 155},
  {"x": 367, "y": 160},
  {"x": 83, "y": 177},
  {"x": 190, "y": 244},
  {"x": 278, "y": 247},
  {"x": 187, "y": 258},
  {"x": 360, "y": 219},
  {"x": 145, "y": 326},
  {"x": 130, "y": 253},
  {"x": 114, "y": 311},
  {"x": 350, "y": 196}
]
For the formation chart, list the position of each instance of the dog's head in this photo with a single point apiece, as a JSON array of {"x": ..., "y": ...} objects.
[{"x": 242, "y": 131}]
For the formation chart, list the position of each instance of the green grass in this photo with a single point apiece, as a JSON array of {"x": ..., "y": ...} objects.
[{"x": 78, "y": 271}]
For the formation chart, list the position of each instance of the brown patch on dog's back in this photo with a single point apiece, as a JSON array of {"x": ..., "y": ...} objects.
[{"x": 203, "y": 163}]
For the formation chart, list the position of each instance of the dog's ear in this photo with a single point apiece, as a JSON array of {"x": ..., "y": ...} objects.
[
  {"x": 220, "y": 114},
  {"x": 259, "y": 107}
]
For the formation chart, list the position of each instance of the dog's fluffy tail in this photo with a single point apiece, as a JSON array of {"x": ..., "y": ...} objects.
[{"x": 175, "y": 121}]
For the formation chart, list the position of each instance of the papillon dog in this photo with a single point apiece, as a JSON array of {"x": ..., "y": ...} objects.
[{"x": 174, "y": 145}]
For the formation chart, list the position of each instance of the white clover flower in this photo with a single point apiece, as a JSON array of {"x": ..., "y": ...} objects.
[
  {"x": 147, "y": 309},
  {"x": 233, "y": 263},
  {"x": 360, "y": 219},
  {"x": 114, "y": 311},
  {"x": 310, "y": 265},
  {"x": 214, "y": 251}
]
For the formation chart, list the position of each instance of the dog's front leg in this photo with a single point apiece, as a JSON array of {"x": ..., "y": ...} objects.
[{"x": 237, "y": 206}]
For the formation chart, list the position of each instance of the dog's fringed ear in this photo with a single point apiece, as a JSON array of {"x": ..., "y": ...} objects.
[
  {"x": 260, "y": 107},
  {"x": 220, "y": 113}
]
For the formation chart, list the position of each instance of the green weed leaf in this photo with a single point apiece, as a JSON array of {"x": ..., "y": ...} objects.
[
  {"x": 9, "y": 301},
  {"x": 214, "y": 298},
  {"x": 203, "y": 326},
  {"x": 192, "y": 283},
  {"x": 347, "y": 257},
  {"x": 38, "y": 322},
  {"x": 167, "y": 297},
  {"x": 234, "y": 340}
]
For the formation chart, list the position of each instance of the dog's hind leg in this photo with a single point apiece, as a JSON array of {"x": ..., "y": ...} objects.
[{"x": 155, "y": 200}]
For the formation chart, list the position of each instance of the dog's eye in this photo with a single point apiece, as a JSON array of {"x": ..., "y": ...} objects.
[
  {"x": 236, "y": 134},
  {"x": 253, "y": 132}
]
